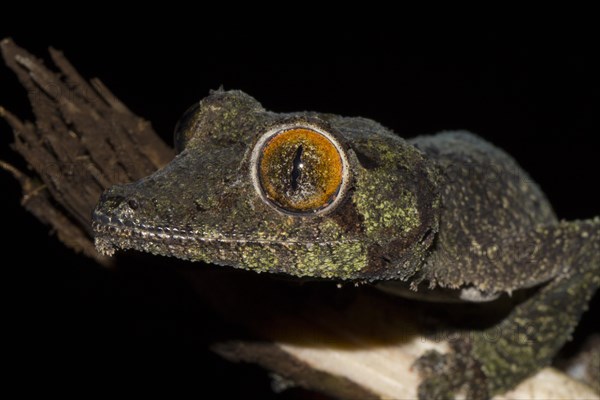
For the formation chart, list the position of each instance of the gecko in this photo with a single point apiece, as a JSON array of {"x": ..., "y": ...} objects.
[{"x": 447, "y": 216}]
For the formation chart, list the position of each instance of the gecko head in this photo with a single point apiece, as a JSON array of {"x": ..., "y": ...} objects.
[{"x": 303, "y": 194}]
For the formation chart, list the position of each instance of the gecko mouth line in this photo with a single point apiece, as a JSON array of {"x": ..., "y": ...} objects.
[{"x": 114, "y": 233}]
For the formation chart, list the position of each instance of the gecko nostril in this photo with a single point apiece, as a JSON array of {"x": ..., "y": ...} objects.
[{"x": 133, "y": 204}]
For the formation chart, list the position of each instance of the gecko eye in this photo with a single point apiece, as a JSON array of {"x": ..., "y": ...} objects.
[{"x": 300, "y": 170}]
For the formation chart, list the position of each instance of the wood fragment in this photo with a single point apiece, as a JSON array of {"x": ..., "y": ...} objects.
[{"x": 82, "y": 142}]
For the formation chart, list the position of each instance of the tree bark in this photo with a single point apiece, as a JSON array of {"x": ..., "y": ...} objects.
[{"x": 350, "y": 343}]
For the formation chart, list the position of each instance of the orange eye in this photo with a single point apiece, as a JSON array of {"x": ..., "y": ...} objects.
[{"x": 300, "y": 170}]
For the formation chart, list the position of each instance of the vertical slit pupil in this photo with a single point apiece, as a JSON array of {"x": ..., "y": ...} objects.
[{"x": 296, "y": 168}]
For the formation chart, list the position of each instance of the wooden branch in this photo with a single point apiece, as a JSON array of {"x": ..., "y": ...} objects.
[
  {"x": 83, "y": 141},
  {"x": 350, "y": 343}
]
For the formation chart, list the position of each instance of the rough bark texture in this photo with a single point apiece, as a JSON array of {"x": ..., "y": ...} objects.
[
  {"x": 351, "y": 344},
  {"x": 83, "y": 141}
]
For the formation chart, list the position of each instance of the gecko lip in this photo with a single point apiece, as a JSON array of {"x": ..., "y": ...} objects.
[{"x": 114, "y": 233}]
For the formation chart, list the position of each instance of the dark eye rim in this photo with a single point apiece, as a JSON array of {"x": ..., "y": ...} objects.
[{"x": 256, "y": 158}]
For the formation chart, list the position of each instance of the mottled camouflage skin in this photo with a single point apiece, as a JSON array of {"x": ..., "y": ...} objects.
[{"x": 449, "y": 210}]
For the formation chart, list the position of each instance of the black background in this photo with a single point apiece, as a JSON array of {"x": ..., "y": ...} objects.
[{"x": 535, "y": 95}]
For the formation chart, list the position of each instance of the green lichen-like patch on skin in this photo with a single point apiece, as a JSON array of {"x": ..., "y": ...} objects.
[
  {"x": 258, "y": 258},
  {"x": 381, "y": 213},
  {"x": 332, "y": 230},
  {"x": 342, "y": 261},
  {"x": 338, "y": 257}
]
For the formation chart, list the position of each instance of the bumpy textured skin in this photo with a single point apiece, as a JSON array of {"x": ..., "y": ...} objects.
[{"x": 450, "y": 211}]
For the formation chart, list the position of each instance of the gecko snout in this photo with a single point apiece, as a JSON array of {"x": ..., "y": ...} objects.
[{"x": 115, "y": 205}]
